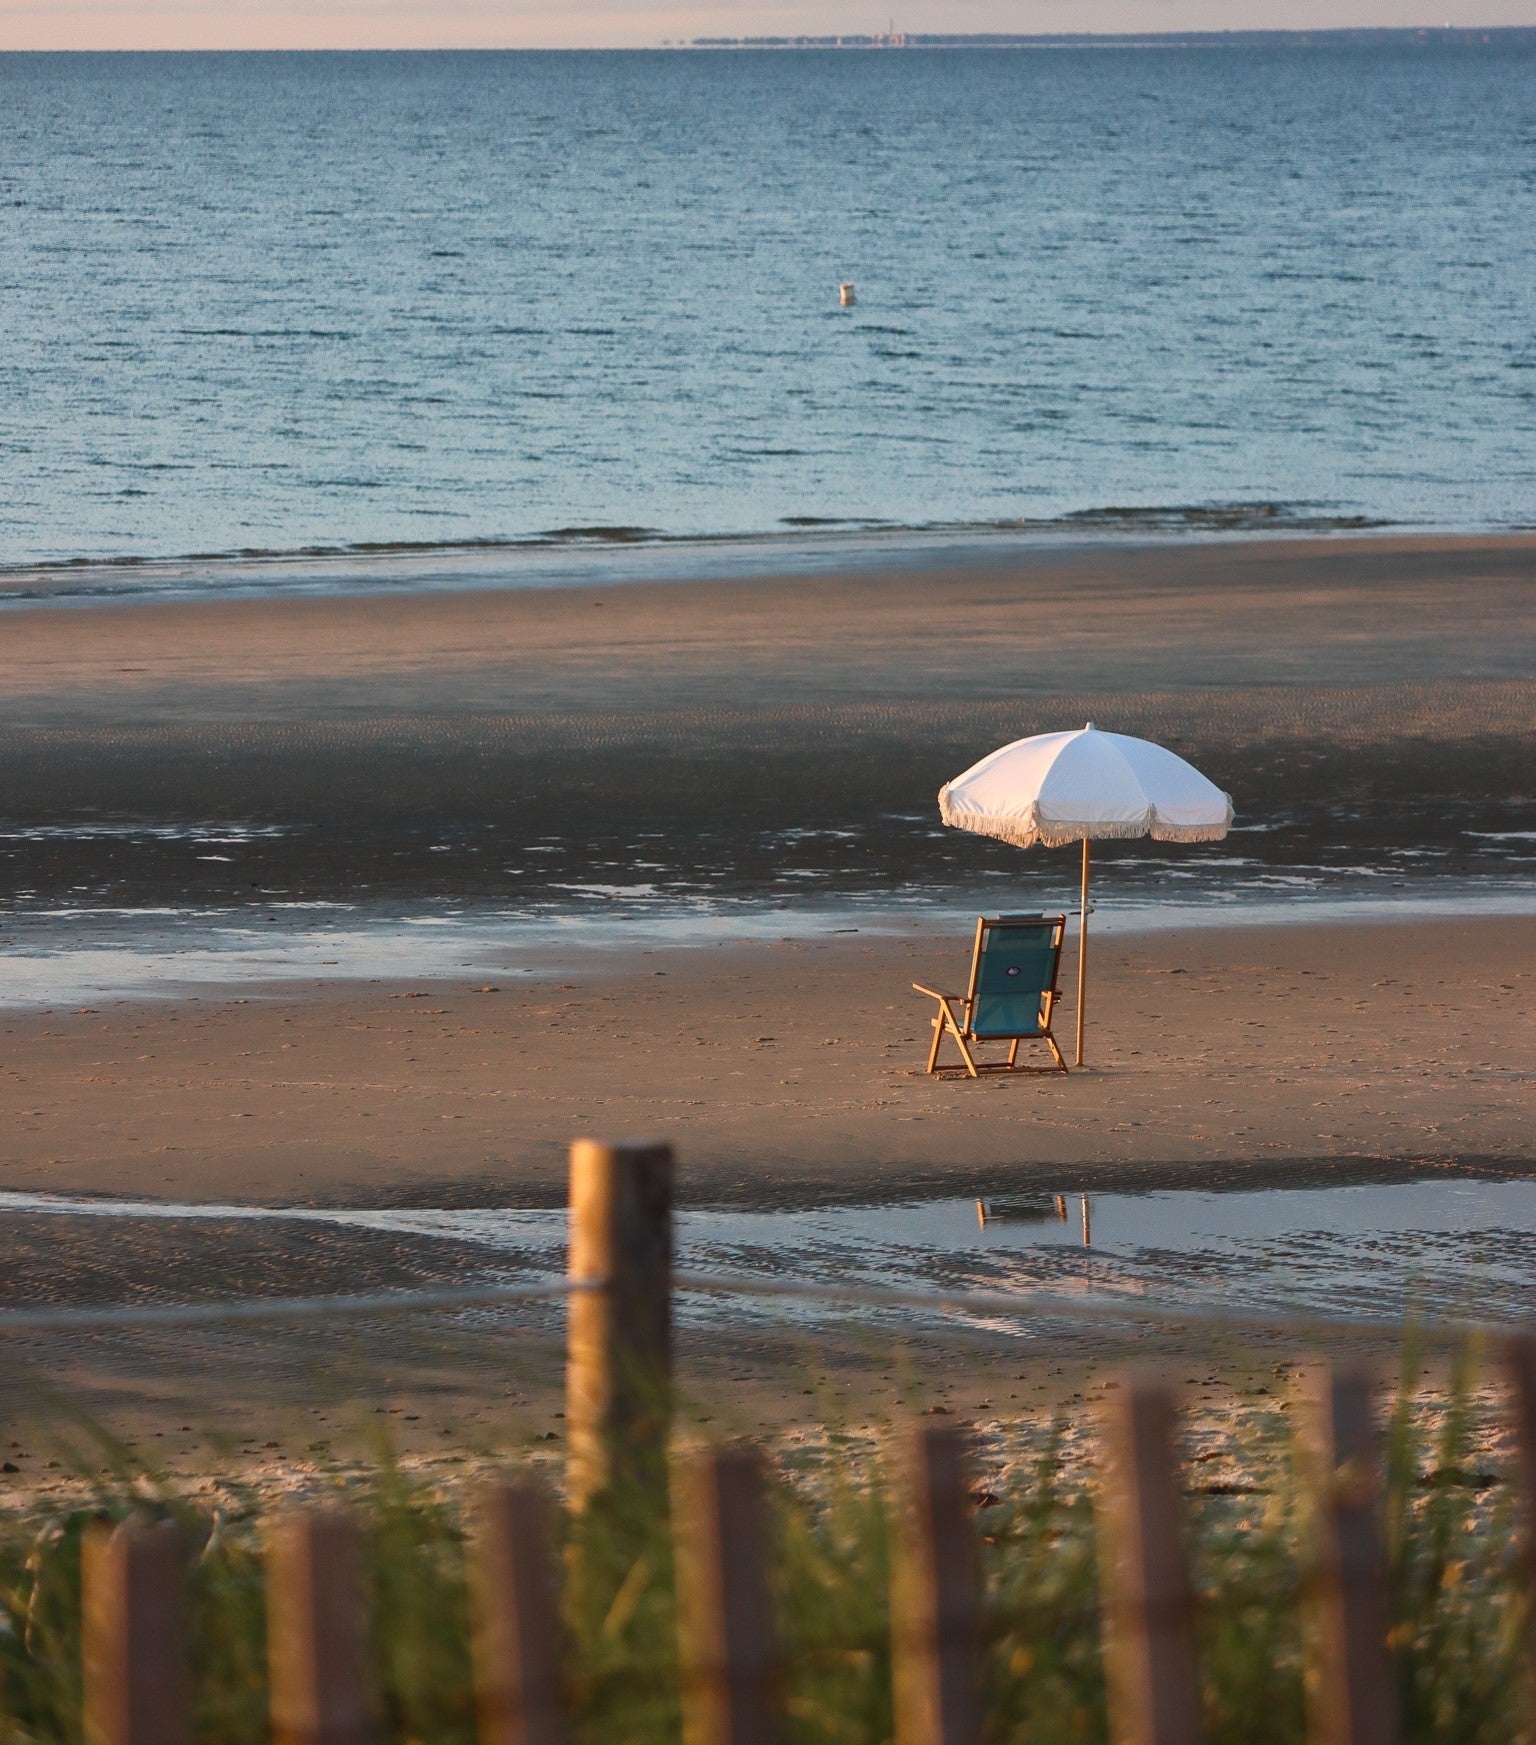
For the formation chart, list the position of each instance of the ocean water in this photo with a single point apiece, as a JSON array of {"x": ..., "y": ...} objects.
[{"x": 274, "y": 302}]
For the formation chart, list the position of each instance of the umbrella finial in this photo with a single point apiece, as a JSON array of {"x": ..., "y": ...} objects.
[{"x": 1087, "y": 727}]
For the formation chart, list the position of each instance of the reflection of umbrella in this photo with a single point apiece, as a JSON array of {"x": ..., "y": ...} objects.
[{"x": 1074, "y": 787}]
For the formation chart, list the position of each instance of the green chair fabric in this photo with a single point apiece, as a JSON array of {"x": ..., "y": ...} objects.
[{"x": 1019, "y": 958}]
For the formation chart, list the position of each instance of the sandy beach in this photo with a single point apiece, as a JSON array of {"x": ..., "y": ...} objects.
[
  {"x": 1370, "y": 699},
  {"x": 406, "y": 745}
]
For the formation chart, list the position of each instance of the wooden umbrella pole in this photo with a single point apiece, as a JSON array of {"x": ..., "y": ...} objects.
[{"x": 1082, "y": 957}]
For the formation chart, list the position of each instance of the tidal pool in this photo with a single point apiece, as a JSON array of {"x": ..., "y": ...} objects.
[{"x": 1444, "y": 1248}]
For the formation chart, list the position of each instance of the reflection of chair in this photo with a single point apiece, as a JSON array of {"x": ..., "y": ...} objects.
[{"x": 1011, "y": 995}]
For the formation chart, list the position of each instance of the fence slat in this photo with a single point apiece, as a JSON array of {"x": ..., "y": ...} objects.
[
  {"x": 1520, "y": 1358},
  {"x": 316, "y": 1652},
  {"x": 729, "y": 1646},
  {"x": 1148, "y": 1606},
  {"x": 618, "y": 1337},
  {"x": 517, "y": 1619},
  {"x": 936, "y": 1595},
  {"x": 1353, "y": 1697},
  {"x": 133, "y": 1648}
]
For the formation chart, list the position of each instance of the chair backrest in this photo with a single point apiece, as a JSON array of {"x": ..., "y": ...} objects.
[{"x": 1013, "y": 974}]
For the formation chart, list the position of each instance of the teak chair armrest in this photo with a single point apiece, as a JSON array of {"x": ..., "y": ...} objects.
[{"x": 934, "y": 994}]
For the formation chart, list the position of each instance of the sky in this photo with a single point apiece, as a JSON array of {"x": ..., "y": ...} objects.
[{"x": 189, "y": 24}]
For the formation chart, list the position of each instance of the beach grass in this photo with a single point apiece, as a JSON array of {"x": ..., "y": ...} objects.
[{"x": 1458, "y": 1615}]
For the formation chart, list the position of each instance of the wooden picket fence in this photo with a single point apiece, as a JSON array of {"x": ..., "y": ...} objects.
[{"x": 134, "y": 1645}]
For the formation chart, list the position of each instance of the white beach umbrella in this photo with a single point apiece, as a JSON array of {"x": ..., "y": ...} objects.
[{"x": 1086, "y": 786}]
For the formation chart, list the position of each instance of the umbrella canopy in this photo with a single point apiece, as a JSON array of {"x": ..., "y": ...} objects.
[
  {"x": 1057, "y": 788},
  {"x": 1085, "y": 787}
]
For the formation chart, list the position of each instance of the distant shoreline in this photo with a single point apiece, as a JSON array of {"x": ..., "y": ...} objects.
[
  {"x": 1116, "y": 39},
  {"x": 908, "y": 39},
  {"x": 603, "y": 556}
]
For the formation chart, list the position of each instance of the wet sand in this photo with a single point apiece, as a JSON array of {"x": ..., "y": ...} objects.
[{"x": 1366, "y": 692}]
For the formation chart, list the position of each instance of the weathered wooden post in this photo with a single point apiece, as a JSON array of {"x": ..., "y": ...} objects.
[
  {"x": 317, "y": 1667},
  {"x": 133, "y": 1648},
  {"x": 1353, "y": 1700},
  {"x": 729, "y": 1646},
  {"x": 516, "y": 1636},
  {"x": 1148, "y": 1606},
  {"x": 619, "y": 1328},
  {"x": 936, "y": 1595}
]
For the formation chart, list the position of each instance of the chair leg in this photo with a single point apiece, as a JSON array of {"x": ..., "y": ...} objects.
[
  {"x": 945, "y": 1022},
  {"x": 938, "y": 1037},
  {"x": 1013, "y": 1053},
  {"x": 970, "y": 1064},
  {"x": 1060, "y": 1062}
]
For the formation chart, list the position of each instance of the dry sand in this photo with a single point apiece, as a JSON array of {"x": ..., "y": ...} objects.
[{"x": 794, "y": 1070}]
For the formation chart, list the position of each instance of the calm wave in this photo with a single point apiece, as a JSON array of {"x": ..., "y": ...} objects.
[{"x": 290, "y": 301}]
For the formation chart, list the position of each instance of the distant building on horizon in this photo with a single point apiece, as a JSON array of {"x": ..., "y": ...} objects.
[{"x": 883, "y": 39}]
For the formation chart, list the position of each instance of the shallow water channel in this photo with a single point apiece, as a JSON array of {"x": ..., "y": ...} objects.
[
  {"x": 1458, "y": 1247},
  {"x": 55, "y": 958}
]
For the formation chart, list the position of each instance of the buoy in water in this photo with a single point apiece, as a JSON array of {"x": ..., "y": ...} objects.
[{"x": 846, "y": 294}]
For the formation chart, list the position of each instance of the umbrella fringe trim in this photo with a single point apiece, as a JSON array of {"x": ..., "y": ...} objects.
[{"x": 1029, "y": 827}]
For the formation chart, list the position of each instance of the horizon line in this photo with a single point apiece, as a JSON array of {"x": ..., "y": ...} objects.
[{"x": 833, "y": 41}]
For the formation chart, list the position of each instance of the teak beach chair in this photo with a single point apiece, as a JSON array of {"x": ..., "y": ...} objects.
[{"x": 1011, "y": 996}]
